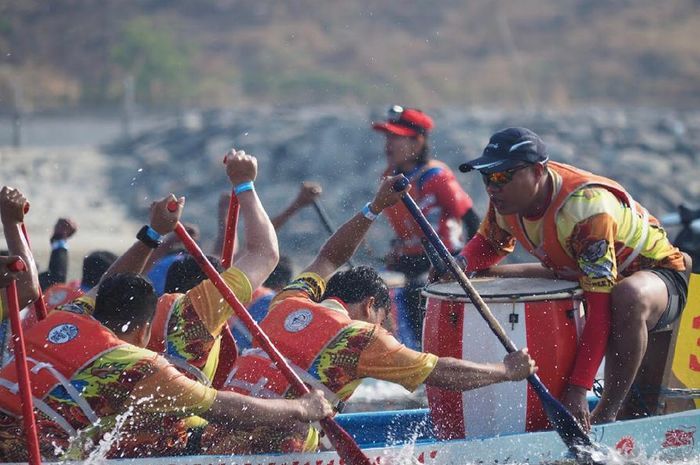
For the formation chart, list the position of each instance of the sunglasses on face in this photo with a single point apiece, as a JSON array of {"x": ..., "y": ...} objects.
[{"x": 501, "y": 178}]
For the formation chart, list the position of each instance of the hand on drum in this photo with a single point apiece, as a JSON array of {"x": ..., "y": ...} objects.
[
  {"x": 435, "y": 276},
  {"x": 519, "y": 365},
  {"x": 574, "y": 399}
]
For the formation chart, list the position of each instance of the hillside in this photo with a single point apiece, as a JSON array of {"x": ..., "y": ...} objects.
[{"x": 524, "y": 54}]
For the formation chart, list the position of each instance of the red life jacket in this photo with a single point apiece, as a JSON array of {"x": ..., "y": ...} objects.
[
  {"x": 62, "y": 293},
  {"x": 58, "y": 348},
  {"x": 301, "y": 330},
  {"x": 405, "y": 227},
  {"x": 550, "y": 252}
]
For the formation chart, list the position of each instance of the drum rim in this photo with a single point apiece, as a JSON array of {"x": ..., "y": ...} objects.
[{"x": 554, "y": 294}]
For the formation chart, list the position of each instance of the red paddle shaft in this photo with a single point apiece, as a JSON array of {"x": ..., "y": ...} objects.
[
  {"x": 230, "y": 233},
  {"x": 342, "y": 441},
  {"x": 25, "y": 389}
]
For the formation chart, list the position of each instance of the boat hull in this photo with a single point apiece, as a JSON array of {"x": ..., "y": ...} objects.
[{"x": 668, "y": 437}]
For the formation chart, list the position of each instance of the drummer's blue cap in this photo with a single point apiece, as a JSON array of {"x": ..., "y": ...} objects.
[{"x": 507, "y": 149}]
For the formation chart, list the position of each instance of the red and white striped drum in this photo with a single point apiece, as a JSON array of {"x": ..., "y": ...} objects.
[{"x": 540, "y": 314}]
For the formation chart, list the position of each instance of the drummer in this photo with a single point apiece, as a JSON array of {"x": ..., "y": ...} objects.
[
  {"x": 330, "y": 330},
  {"x": 583, "y": 227}
]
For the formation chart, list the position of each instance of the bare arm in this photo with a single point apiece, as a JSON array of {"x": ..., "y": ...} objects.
[
  {"x": 344, "y": 242},
  {"x": 12, "y": 204},
  {"x": 245, "y": 411},
  {"x": 463, "y": 375},
  {"x": 308, "y": 192},
  {"x": 260, "y": 252},
  {"x": 136, "y": 257}
]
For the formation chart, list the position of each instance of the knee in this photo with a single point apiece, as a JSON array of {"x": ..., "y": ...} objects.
[{"x": 629, "y": 303}]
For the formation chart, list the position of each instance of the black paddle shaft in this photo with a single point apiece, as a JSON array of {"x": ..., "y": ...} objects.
[
  {"x": 323, "y": 216},
  {"x": 561, "y": 419}
]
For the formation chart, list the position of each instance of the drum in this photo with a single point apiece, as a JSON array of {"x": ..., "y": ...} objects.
[
  {"x": 398, "y": 321},
  {"x": 540, "y": 314}
]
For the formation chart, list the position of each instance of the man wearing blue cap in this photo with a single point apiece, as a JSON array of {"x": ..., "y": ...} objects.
[{"x": 583, "y": 227}]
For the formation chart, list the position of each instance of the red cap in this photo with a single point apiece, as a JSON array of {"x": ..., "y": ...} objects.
[{"x": 407, "y": 122}]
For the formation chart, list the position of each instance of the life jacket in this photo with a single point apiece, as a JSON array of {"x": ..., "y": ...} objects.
[
  {"x": 550, "y": 252},
  {"x": 407, "y": 231},
  {"x": 58, "y": 348},
  {"x": 301, "y": 330},
  {"x": 224, "y": 349},
  {"x": 62, "y": 293},
  {"x": 257, "y": 308}
]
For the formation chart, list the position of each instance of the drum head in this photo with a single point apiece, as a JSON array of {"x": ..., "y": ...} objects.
[{"x": 507, "y": 289}]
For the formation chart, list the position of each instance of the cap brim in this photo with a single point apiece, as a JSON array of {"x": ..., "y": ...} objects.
[
  {"x": 489, "y": 165},
  {"x": 394, "y": 129}
]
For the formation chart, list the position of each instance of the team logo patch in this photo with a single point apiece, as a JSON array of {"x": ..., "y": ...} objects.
[
  {"x": 298, "y": 320},
  {"x": 63, "y": 333}
]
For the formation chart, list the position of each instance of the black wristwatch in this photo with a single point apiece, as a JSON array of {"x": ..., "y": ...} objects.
[{"x": 149, "y": 236}]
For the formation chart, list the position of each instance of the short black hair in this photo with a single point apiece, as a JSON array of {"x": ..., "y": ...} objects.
[
  {"x": 94, "y": 266},
  {"x": 125, "y": 301},
  {"x": 185, "y": 274},
  {"x": 356, "y": 284},
  {"x": 281, "y": 275}
]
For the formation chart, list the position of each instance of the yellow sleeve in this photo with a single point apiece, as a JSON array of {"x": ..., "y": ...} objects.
[
  {"x": 212, "y": 310},
  {"x": 387, "y": 359},
  {"x": 3, "y": 313},
  {"x": 306, "y": 285},
  {"x": 83, "y": 305},
  {"x": 168, "y": 391}
]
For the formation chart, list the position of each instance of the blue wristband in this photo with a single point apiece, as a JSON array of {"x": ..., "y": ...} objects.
[
  {"x": 59, "y": 244},
  {"x": 152, "y": 234},
  {"x": 244, "y": 186},
  {"x": 368, "y": 213}
]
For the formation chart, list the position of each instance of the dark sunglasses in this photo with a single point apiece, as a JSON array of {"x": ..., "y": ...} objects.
[{"x": 501, "y": 178}]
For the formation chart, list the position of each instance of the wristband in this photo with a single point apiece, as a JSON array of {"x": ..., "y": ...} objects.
[
  {"x": 244, "y": 186},
  {"x": 59, "y": 244},
  {"x": 149, "y": 236},
  {"x": 367, "y": 212}
]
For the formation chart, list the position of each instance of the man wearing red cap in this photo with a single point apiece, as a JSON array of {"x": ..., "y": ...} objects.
[{"x": 433, "y": 187}]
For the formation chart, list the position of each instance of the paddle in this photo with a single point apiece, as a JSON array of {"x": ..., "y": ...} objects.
[
  {"x": 25, "y": 389},
  {"x": 39, "y": 304},
  {"x": 560, "y": 418},
  {"x": 341, "y": 440},
  {"x": 230, "y": 232},
  {"x": 323, "y": 216}
]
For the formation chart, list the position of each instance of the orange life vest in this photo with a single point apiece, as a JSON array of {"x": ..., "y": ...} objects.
[
  {"x": 550, "y": 252},
  {"x": 58, "y": 348},
  {"x": 405, "y": 227},
  {"x": 62, "y": 293},
  {"x": 300, "y": 329}
]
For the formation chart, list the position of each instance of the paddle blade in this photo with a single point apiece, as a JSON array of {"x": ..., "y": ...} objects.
[
  {"x": 559, "y": 417},
  {"x": 344, "y": 444}
]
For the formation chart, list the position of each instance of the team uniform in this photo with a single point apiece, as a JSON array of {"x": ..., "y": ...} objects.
[
  {"x": 594, "y": 232},
  {"x": 85, "y": 382},
  {"x": 327, "y": 349}
]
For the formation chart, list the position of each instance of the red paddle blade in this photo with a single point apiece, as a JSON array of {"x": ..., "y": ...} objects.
[{"x": 344, "y": 444}]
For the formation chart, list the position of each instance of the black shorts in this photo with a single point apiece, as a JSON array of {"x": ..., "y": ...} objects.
[{"x": 677, "y": 288}]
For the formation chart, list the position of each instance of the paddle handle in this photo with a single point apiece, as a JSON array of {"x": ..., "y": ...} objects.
[
  {"x": 25, "y": 389},
  {"x": 230, "y": 232},
  {"x": 341, "y": 440}
]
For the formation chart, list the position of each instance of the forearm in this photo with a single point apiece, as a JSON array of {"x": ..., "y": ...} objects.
[
  {"x": 480, "y": 254},
  {"x": 260, "y": 253},
  {"x": 344, "y": 242},
  {"x": 462, "y": 375},
  {"x": 245, "y": 411},
  {"x": 594, "y": 340},
  {"x": 58, "y": 264},
  {"x": 27, "y": 282}
]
